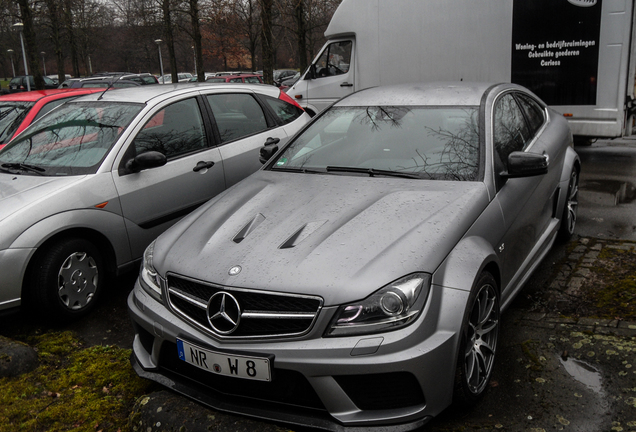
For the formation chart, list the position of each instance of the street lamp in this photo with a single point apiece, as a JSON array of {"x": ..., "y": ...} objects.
[
  {"x": 43, "y": 62},
  {"x": 10, "y": 51},
  {"x": 196, "y": 72},
  {"x": 158, "y": 42},
  {"x": 20, "y": 26}
]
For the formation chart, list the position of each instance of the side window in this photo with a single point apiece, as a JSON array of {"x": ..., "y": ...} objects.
[
  {"x": 235, "y": 80},
  {"x": 533, "y": 111},
  {"x": 236, "y": 115},
  {"x": 50, "y": 106},
  {"x": 252, "y": 80},
  {"x": 334, "y": 60},
  {"x": 285, "y": 111},
  {"x": 175, "y": 130},
  {"x": 511, "y": 131}
]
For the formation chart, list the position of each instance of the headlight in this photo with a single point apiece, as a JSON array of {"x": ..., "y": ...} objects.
[
  {"x": 394, "y": 306},
  {"x": 148, "y": 277}
]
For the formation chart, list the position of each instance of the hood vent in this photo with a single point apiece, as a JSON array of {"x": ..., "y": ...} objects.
[
  {"x": 301, "y": 234},
  {"x": 249, "y": 228}
]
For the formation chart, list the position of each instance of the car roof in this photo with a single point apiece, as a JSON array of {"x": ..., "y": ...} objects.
[
  {"x": 36, "y": 95},
  {"x": 431, "y": 94},
  {"x": 144, "y": 94}
]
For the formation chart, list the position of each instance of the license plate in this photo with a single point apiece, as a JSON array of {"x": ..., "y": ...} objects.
[{"x": 233, "y": 365}]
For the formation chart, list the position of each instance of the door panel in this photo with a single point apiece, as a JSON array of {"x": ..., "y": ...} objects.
[
  {"x": 334, "y": 75},
  {"x": 154, "y": 199}
]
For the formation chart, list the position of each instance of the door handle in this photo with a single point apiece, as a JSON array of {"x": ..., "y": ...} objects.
[
  {"x": 346, "y": 84},
  {"x": 203, "y": 165}
]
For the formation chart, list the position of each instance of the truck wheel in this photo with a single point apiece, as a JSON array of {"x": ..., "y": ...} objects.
[
  {"x": 570, "y": 209},
  {"x": 67, "y": 279},
  {"x": 478, "y": 342}
]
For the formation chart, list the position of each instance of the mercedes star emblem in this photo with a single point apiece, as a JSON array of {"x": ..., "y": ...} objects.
[{"x": 224, "y": 313}]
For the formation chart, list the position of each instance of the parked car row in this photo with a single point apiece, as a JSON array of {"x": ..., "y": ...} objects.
[
  {"x": 348, "y": 271},
  {"x": 111, "y": 80},
  {"x": 240, "y": 78}
]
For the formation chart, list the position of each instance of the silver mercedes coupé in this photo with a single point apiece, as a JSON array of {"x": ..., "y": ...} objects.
[{"x": 358, "y": 278}]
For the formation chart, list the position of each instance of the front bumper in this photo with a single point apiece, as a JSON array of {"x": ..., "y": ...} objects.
[{"x": 394, "y": 381}]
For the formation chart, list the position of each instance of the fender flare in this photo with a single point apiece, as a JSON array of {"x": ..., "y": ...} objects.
[{"x": 468, "y": 259}]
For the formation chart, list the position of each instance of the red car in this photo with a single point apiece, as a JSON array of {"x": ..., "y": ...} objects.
[{"x": 19, "y": 110}]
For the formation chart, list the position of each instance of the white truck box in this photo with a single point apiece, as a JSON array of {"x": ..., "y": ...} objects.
[{"x": 576, "y": 55}]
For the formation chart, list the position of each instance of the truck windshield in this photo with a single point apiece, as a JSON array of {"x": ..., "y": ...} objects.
[
  {"x": 11, "y": 116},
  {"x": 419, "y": 142},
  {"x": 72, "y": 140}
]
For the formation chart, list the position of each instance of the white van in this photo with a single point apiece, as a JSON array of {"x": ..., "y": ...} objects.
[{"x": 576, "y": 55}]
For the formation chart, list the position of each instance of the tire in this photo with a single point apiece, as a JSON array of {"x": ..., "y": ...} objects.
[
  {"x": 570, "y": 209},
  {"x": 67, "y": 279},
  {"x": 478, "y": 343}
]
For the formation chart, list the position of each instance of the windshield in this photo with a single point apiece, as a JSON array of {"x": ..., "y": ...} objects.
[
  {"x": 11, "y": 116},
  {"x": 71, "y": 140},
  {"x": 422, "y": 142}
]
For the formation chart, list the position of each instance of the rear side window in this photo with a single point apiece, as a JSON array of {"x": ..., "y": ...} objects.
[
  {"x": 285, "y": 111},
  {"x": 237, "y": 115}
]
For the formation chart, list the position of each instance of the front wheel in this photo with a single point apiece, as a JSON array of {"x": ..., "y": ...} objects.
[
  {"x": 478, "y": 344},
  {"x": 570, "y": 210},
  {"x": 67, "y": 278}
]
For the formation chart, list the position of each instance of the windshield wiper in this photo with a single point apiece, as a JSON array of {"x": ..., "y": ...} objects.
[
  {"x": 24, "y": 167},
  {"x": 301, "y": 170},
  {"x": 373, "y": 172}
]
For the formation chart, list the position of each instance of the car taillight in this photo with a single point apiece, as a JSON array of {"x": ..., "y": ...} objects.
[{"x": 285, "y": 97}]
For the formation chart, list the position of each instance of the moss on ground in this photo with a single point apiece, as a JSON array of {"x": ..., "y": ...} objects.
[
  {"x": 611, "y": 291},
  {"x": 75, "y": 388}
]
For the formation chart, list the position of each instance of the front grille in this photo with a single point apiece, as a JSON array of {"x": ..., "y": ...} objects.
[
  {"x": 261, "y": 314},
  {"x": 287, "y": 387}
]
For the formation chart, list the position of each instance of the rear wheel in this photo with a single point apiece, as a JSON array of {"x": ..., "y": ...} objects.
[
  {"x": 568, "y": 219},
  {"x": 479, "y": 334},
  {"x": 67, "y": 279}
]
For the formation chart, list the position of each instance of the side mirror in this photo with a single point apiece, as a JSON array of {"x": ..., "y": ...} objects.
[
  {"x": 151, "y": 159},
  {"x": 312, "y": 72},
  {"x": 269, "y": 149},
  {"x": 522, "y": 164}
]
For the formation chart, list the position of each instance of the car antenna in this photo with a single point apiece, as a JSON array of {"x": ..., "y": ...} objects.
[{"x": 110, "y": 84}]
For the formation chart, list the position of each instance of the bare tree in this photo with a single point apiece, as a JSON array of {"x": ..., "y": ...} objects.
[
  {"x": 26, "y": 14},
  {"x": 266, "y": 40}
]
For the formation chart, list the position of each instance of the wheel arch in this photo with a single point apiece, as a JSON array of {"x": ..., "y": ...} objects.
[{"x": 106, "y": 230}]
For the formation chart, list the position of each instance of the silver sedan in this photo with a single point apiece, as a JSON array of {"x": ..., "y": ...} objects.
[
  {"x": 357, "y": 279},
  {"x": 88, "y": 187}
]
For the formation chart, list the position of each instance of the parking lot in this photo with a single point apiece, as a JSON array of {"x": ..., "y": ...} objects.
[{"x": 554, "y": 370}]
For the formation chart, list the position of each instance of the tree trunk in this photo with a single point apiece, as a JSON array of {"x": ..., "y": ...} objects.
[
  {"x": 54, "y": 16},
  {"x": 266, "y": 40},
  {"x": 196, "y": 36},
  {"x": 68, "y": 18},
  {"x": 167, "y": 28},
  {"x": 31, "y": 45},
  {"x": 301, "y": 39}
]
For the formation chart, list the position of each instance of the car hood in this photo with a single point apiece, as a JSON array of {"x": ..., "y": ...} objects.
[
  {"x": 338, "y": 236},
  {"x": 18, "y": 192}
]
